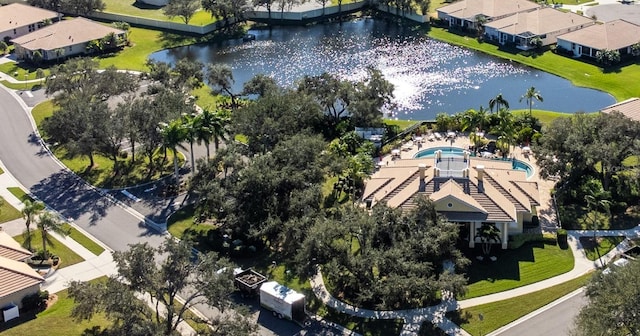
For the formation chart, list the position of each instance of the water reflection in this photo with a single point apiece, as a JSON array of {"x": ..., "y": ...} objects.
[{"x": 429, "y": 76}]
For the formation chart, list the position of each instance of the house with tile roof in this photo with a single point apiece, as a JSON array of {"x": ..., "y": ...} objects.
[
  {"x": 617, "y": 35},
  {"x": 465, "y": 190},
  {"x": 66, "y": 38},
  {"x": 545, "y": 23},
  {"x": 17, "y": 19},
  {"x": 465, "y": 13},
  {"x": 630, "y": 108},
  {"x": 18, "y": 280},
  {"x": 11, "y": 249}
]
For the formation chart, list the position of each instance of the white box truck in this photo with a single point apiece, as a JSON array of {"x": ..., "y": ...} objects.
[{"x": 283, "y": 302}]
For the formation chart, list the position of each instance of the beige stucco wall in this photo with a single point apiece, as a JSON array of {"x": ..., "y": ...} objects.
[{"x": 16, "y": 298}]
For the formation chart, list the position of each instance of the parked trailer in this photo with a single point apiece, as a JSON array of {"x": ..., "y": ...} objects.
[
  {"x": 248, "y": 281},
  {"x": 284, "y": 302}
]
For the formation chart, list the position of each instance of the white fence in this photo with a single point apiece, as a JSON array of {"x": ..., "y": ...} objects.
[
  {"x": 409, "y": 16},
  {"x": 306, "y": 15}
]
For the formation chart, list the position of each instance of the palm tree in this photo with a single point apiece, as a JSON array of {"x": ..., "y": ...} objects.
[
  {"x": 530, "y": 95},
  {"x": 173, "y": 134},
  {"x": 506, "y": 127},
  {"x": 596, "y": 200},
  {"x": 29, "y": 213},
  {"x": 212, "y": 126},
  {"x": 47, "y": 221},
  {"x": 488, "y": 234},
  {"x": 190, "y": 124},
  {"x": 498, "y": 102}
]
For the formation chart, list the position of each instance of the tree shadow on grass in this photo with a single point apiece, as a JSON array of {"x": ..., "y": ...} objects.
[
  {"x": 23, "y": 318},
  {"x": 507, "y": 265}
]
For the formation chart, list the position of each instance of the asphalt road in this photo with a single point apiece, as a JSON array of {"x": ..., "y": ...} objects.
[{"x": 557, "y": 320}]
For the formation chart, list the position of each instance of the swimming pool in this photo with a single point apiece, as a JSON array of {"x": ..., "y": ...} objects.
[
  {"x": 457, "y": 151},
  {"x": 446, "y": 151}
]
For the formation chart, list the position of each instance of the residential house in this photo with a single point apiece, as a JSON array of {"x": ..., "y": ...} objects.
[
  {"x": 11, "y": 249},
  {"x": 465, "y": 13},
  {"x": 18, "y": 280},
  {"x": 66, "y": 38},
  {"x": 465, "y": 190},
  {"x": 17, "y": 19},
  {"x": 630, "y": 108},
  {"x": 617, "y": 35},
  {"x": 541, "y": 24}
]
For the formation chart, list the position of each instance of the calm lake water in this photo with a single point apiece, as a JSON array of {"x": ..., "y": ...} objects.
[{"x": 429, "y": 76}]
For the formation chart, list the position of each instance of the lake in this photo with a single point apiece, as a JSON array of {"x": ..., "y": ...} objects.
[{"x": 429, "y": 76}]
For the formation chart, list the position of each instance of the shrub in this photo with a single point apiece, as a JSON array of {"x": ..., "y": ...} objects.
[
  {"x": 36, "y": 301},
  {"x": 562, "y": 238},
  {"x": 520, "y": 239}
]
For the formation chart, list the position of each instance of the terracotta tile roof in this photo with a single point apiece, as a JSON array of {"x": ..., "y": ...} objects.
[
  {"x": 65, "y": 33},
  {"x": 539, "y": 22},
  {"x": 468, "y": 9},
  {"x": 18, "y": 15},
  {"x": 11, "y": 249},
  {"x": 630, "y": 108},
  {"x": 16, "y": 276},
  {"x": 612, "y": 35},
  {"x": 502, "y": 193}
]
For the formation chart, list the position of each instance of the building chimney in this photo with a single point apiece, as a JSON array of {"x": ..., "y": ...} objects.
[
  {"x": 480, "y": 170},
  {"x": 436, "y": 172}
]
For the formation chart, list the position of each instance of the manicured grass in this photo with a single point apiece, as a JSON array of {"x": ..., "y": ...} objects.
[
  {"x": 83, "y": 240},
  {"x": 55, "y": 321},
  {"x": 144, "y": 42},
  {"x": 7, "y": 211},
  {"x": 403, "y": 124},
  {"x": 621, "y": 83},
  {"x": 182, "y": 220},
  {"x": 67, "y": 256},
  {"x": 545, "y": 117},
  {"x": 605, "y": 244},
  {"x": 19, "y": 70},
  {"x": 1, "y": 171},
  {"x": 42, "y": 111},
  {"x": 500, "y": 313},
  {"x": 130, "y": 8},
  {"x": 528, "y": 264},
  {"x": 20, "y": 194}
]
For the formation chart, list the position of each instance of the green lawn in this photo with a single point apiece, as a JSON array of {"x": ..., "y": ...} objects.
[
  {"x": 528, "y": 264},
  {"x": 20, "y": 194},
  {"x": 67, "y": 256},
  {"x": 621, "y": 83},
  {"x": 83, "y": 240},
  {"x": 182, "y": 220},
  {"x": 8, "y": 212},
  {"x": 545, "y": 117},
  {"x": 131, "y": 8},
  {"x": 55, "y": 321},
  {"x": 144, "y": 43},
  {"x": 403, "y": 124},
  {"x": 500, "y": 313},
  {"x": 605, "y": 244}
]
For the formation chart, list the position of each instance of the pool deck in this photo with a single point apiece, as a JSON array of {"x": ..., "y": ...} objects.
[{"x": 546, "y": 211}]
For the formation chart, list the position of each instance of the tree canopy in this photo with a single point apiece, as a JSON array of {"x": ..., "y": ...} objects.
[
  {"x": 614, "y": 303},
  {"x": 207, "y": 280}
]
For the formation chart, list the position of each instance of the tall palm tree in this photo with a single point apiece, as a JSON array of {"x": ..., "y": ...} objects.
[
  {"x": 498, "y": 102},
  {"x": 596, "y": 200},
  {"x": 488, "y": 234},
  {"x": 190, "y": 123},
  {"x": 173, "y": 134},
  {"x": 506, "y": 127},
  {"x": 29, "y": 213},
  {"x": 212, "y": 126},
  {"x": 47, "y": 221},
  {"x": 529, "y": 96}
]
